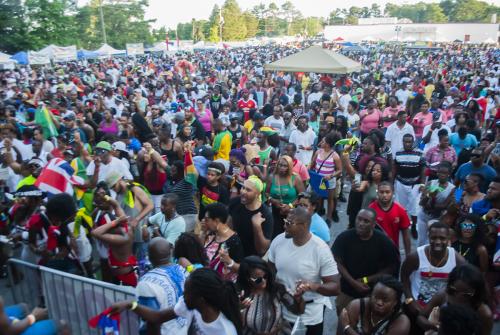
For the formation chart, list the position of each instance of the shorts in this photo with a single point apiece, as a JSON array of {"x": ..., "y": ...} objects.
[{"x": 407, "y": 196}]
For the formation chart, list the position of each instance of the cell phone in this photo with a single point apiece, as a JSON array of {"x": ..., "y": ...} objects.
[{"x": 357, "y": 178}]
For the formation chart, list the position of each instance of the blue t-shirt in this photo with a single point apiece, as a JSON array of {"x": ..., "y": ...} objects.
[
  {"x": 486, "y": 171},
  {"x": 320, "y": 228},
  {"x": 469, "y": 142}
]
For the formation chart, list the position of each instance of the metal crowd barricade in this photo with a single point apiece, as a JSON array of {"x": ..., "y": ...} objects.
[{"x": 69, "y": 297}]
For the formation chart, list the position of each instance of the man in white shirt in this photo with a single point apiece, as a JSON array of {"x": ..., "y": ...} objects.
[
  {"x": 403, "y": 94},
  {"x": 167, "y": 223},
  {"x": 396, "y": 131},
  {"x": 315, "y": 95},
  {"x": 275, "y": 121},
  {"x": 303, "y": 137},
  {"x": 99, "y": 169},
  {"x": 430, "y": 134},
  {"x": 344, "y": 100},
  {"x": 305, "y": 265}
]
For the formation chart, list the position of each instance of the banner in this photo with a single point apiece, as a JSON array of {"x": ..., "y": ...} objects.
[
  {"x": 134, "y": 49},
  {"x": 64, "y": 54},
  {"x": 37, "y": 58}
]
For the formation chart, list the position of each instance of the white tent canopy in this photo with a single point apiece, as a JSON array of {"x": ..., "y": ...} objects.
[
  {"x": 315, "y": 59},
  {"x": 59, "y": 54},
  {"x": 108, "y": 50},
  {"x": 6, "y": 63}
]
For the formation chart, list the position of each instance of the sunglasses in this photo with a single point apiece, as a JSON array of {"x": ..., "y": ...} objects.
[
  {"x": 100, "y": 151},
  {"x": 468, "y": 225},
  {"x": 257, "y": 280}
]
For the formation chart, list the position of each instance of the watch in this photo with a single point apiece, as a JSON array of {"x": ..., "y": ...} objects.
[{"x": 409, "y": 301}]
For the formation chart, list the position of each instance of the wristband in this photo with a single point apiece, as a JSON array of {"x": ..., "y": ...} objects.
[
  {"x": 190, "y": 268},
  {"x": 134, "y": 305},
  {"x": 346, "y": 328},
  {"x": 230, "y": 265},
  {"x": 31, "y": 319},
  {"x": 365, "y": 280}
]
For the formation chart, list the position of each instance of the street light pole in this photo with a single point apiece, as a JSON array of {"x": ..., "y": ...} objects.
[
  {"x": 398, "y": 29},
  {"x": 103, "y": 27}
]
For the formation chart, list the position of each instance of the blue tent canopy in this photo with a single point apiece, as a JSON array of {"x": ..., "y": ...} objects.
[
  {"x": 347, "y": 44},
  {"x": 21, "y": 57},
  {"x": 82, "y": 53}
]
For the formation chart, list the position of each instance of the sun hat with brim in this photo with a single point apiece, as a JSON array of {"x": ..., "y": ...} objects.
[
  {"x": 112, "y": 178},
  {"x": 268, "y": 131},
  {"x": 104, "y": 146}
]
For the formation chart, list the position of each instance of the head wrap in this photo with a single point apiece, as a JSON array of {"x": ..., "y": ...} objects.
[{"x": 258, "y": 184}]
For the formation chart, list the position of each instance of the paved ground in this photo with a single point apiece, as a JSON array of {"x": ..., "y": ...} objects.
[{"x": 330, "y": 316}]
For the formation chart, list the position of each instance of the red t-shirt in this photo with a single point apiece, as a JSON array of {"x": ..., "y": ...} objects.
[
  {"x": 392, "y": 221},
  {"x": 250, "y": 104}
]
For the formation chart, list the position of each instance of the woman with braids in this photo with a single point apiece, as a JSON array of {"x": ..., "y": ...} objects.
[
  {"x": 210, "y": 305},
  {"x": 378, "y": 314},
  {"x": 259, "y": 291}
]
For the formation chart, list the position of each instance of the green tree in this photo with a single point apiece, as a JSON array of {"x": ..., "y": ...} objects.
[
  {"x": 470, "y": 11},
  {"x": 251, "y": 24},
  {"x": 12, "y": 28},
  {"x": 375, "y": 10},
  {"x": 233, "y": 29},
  {"x": 213, "y": 34},
  {"x": 434, "y": 13}
]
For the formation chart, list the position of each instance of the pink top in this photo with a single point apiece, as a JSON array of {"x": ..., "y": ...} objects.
[
  {"x": 300, "y": 170},
  {"x": 111, "y": 129},
  {"x": 205, "y": 119},
  {"x": 390, "y": 112},
  {"x": 325, "y": 163},
  {"x": 420, "y": 121},
  {"x": 370, "y": 121}
]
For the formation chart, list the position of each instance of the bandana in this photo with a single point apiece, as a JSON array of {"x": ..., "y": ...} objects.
[
  {"x": 258, "y": 184},
  {"x": 267, "y": 131},
  {"x": 106, "y": 322},
  {"x": 219, "y": 172}
]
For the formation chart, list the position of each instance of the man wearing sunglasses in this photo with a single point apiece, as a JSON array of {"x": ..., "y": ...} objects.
[
  {"x": 305, "y": 265},
  {"x": 476, "y": 165},
  {"x": 104, "y": 163}
]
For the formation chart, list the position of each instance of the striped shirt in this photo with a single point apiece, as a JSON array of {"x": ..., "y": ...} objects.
[
  {"x": 409, "y": 165},
  {"x": 325, "y": 166}
]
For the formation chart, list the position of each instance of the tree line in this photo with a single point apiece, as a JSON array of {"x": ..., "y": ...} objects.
[{"x": 33, "y": 24}]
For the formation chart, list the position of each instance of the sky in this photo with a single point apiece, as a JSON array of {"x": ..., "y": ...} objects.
[{"x": 168, "y": 13}]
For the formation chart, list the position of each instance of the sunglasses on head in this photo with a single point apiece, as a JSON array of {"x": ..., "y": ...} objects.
[
  {"x": 287, "y": 222},
  {"x": 257, "y": 280}
]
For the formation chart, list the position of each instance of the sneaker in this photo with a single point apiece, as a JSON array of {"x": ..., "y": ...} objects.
[{"x": 335, "y": 216}]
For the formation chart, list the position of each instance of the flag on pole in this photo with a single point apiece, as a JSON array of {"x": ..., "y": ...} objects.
[
  {"x": 190, "y": 174},
  {"x": 43, "y": 118},
  {"x": 58, "y": 177}
]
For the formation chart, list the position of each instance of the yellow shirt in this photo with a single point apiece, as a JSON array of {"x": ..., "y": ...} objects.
[
  {"x": 248, "y": 126},
  {"x": 224, "y": 148},
  {"x": 428, "y": 91}
]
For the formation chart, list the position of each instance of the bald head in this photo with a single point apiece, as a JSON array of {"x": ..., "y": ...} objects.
[
  {"x": 159, "y": 251},
  {"x": 301, "y": 215}
]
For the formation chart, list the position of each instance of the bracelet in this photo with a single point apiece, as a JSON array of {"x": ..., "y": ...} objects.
[
  {"x": 230, "y": 265},
  {"x": 346, "y": 328},
  {"x": 134, "y": 305},
  {"x": 190, "y": 268},
  {"x": 31, "y": 319},
  {"x": 365, "y": 280}
]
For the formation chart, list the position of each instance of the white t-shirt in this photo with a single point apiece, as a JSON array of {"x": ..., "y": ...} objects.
[
  {"x": 114, "y": 165},
  {"x": 82, "y": 243},
  {"x": 344, "y": 102},
  {"x": 394, "y": 134},
  {"x": 314, "y": 97},
  {"x": 276, "y": 124},
  {"x": 352, "y": 119},
  {"x": 305, "y": 139},
  {"x": 221, "y": 325},
  {"x": 434, "y": 137},
  {"x": 26, "y": 150},
  {"x": 309, "y": 262}
]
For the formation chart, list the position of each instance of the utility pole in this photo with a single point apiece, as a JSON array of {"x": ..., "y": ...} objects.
[{"x": 103, "y": 27}]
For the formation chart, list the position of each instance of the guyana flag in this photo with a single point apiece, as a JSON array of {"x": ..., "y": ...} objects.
[
  {"x": 43, "y": 119},
  {"x": 190, "y": 174}
]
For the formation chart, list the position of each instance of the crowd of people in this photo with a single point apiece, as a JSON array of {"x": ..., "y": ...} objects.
[{"x": 212, "y": 187}]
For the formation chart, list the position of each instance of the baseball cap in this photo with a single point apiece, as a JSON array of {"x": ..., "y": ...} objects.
[
  {"x": 233, "y": 116},
  {"x": 119, "y": 145},
  {"x": 104, "y": 146},
  {"x": 112, "y": 178},
  {"x": 258, "y": 116},
  {"x": 204, "y": 151},
  {"x": 69, "y": 115}
]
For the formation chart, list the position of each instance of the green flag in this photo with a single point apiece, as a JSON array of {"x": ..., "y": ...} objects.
[{"x": 43, "y": 119}]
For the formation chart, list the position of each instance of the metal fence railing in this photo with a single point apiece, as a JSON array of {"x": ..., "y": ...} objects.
[{"x": 68, "y": 297}]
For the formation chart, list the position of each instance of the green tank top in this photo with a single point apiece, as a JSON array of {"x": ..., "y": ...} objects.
[
  {"x": 284, "y": 193},
  {"x": 264, "y": 154}
]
